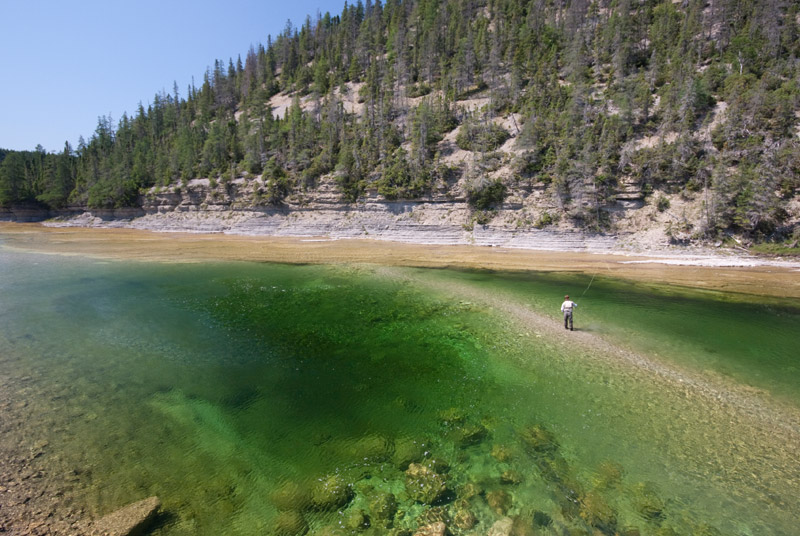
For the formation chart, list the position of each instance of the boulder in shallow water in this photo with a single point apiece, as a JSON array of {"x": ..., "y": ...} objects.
[
  {"x": 407, "y": 451},
  {"x": 382, "y": 508},
  {"x": 330, "y": 492},
  {"x": 290, "y": 523},
  {"x": 434, "y": 529},
  {"x": 291, "y": 496},
  {"x": 423, "y": 484},
  {"x": 539, "y": 439},
  {"x": 132, "y": 520},
  {"x": 596, "y": 511},
  {"x": 501, "y": 527},
  {"x": 499, "y": 501}
]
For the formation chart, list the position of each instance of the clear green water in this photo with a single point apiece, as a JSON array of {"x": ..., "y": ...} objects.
[{"x": 238, "y": 392}]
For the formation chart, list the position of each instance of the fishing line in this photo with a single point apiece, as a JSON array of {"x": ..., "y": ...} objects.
[{"x": 589, "y": 285}]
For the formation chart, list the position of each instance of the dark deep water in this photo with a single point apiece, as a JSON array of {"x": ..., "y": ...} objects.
[{"x": 259, "y": 397}]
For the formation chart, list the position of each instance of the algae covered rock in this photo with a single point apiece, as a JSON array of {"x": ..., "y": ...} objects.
[
  {"x": 291, "y": 496},
  {"x": 423, "y": 484},
  {"x": 464, "y": 519},
  {"x": 382, "y": 508},
  {"x": 608, "y": 474},
  {"x": 646, "y": 501},
  {"x": 289, "y": 523},
  {"x": 368, "y": 448},
  {"x": 330, "y": 493},
  {"x": 407, "y": 451},
  {"x": 596, "y": 511},
  {"x": 499, "y": 501},
  {"x": 539, "y": 439},
  {"x": 511, "y": 477},
  {"x": 501, "y": 453},
  {"x": 434, "y": 529},
  {"x": 470, "y": 434},
  {"x": 469, "y": 490},
  {"x": 357, "y": 521}
]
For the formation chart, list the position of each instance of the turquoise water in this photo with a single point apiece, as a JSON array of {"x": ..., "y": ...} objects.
[{"x": 258, "y": 398}]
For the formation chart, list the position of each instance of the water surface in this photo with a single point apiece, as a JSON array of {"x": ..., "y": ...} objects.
[{"x": 263, "y": 397}]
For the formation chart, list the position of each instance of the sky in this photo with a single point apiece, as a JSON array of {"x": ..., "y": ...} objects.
[{"x": 63, "y": 64}]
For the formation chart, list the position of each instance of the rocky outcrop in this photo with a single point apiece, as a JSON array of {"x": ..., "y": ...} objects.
[{"x": 235, "y": 208}]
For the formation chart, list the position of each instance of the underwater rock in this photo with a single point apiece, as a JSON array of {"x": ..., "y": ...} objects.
[
  {"x": 452, "y": 416},
  {"x": 291, "y": 496},
  {"x": 464, "y": 519},
  {"x": 289, "y": 523},
  {"x": 371, "y": 448},
  {"x": 501, "y": 453},
  {"x": 510, "y": 477},
  {"x": 470, "y": 434},
  {"x": 501, "y": 527},
  {"x": 433, "y": 515},
  {"x": 434, "y": 529},
  {"x": 646, "y": 502},
  {"x": 597, "y": 512},
  {"x": 382, "y": 508},
  {"x": 541, "y": 519},
  {"x": 469, "y": 490},
  {"x": 330, "y": 493},
  {"x": 131, "y": 520},
  {"x": 407, "y": 451},
  {"x": 608, "y": 474},
  {"x": 499, "y": 501},
  {"x": 357, "y": 520},
  {"x": 423, "y": 484},
  {"x": 539, "y": 439},
  {"x": 523, "y": 526}
]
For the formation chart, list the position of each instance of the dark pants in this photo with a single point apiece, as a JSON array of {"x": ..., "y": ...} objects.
[{"x": 568, "y": 319}]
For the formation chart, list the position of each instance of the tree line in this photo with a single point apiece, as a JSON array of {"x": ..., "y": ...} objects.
[{"x": 586, "y": 78}]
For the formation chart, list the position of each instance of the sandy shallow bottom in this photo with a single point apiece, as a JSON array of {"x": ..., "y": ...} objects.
[
  {"x": 718, "y": 272},
  {"x": 774, "y": 429}
]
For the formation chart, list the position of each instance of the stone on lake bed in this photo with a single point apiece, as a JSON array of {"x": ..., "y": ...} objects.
[
  {"x": 291, "y": 523},
  {"x": 291, "y": 496},
  {"x": 499, "y": 501},
  {"x": 407, "y": 451},
  {"x": 434, "y": 529},
  {"x": 131, "y": 520},
  {"x": 423, "y": 484},
  {"x": 330, "y": 493},
  {"x": 502, "y": 527}
]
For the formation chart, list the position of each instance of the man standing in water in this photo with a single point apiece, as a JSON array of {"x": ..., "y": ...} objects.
[{"x": 566, "y": 308}]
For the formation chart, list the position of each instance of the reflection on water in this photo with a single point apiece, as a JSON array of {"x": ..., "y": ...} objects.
[{"x": 265, "y": 398}]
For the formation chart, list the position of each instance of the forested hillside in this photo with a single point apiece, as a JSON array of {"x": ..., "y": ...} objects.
[{"x": 592, "y": 103}]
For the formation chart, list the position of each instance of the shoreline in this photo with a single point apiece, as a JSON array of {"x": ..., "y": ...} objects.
[{"x": 694, "y": 268}]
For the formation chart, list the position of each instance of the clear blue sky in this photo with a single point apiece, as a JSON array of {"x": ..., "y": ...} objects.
[{"x": 64, "y": 63}]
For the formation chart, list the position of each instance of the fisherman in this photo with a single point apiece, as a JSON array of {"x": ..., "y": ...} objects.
[{"x": 566, "y": 308}]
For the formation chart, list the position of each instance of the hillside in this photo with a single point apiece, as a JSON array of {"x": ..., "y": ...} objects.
[{"x": 676, "y": 122}]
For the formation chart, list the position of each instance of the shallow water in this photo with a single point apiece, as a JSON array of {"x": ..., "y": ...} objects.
[{"x": 232, "y": 390}]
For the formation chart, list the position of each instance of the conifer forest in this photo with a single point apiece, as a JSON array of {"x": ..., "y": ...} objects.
[{"x": 574, "y": 92}]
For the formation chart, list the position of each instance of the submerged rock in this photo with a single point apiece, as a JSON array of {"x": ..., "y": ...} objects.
[
  {"x": 501, "y": 453},
  {"x": 331, "y": 493},
  {"x": 596, "y": 511},
  {"x": 291, "y": 496},
  {"x": 469, "y": 490},
  {"x": 539, "y": 439},
  {"x": 407, "y": 451},
  {"x": 501, "y": 527},
  {"x": 357, "y": 521},
  {"x": 464, "y": 519},
  {"x": 423, "y": 484},
  {"x": 510, "y": 477},
  {"x": 132, "y": 520},
  {"x": 434, "y": 529},
  {"x": 647, "y": 503},
  {"x": 608, "y": 474},
  {"x": 499, "y": 501},
  {"x": 470, "y": 434},
  {"x": 291, "y": 523},
  {"x": 433, "y": 515},
  {"x": 382, "y": 508}
]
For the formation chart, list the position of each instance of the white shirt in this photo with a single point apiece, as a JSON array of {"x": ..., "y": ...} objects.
[{"x": 568, "y": 305}]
